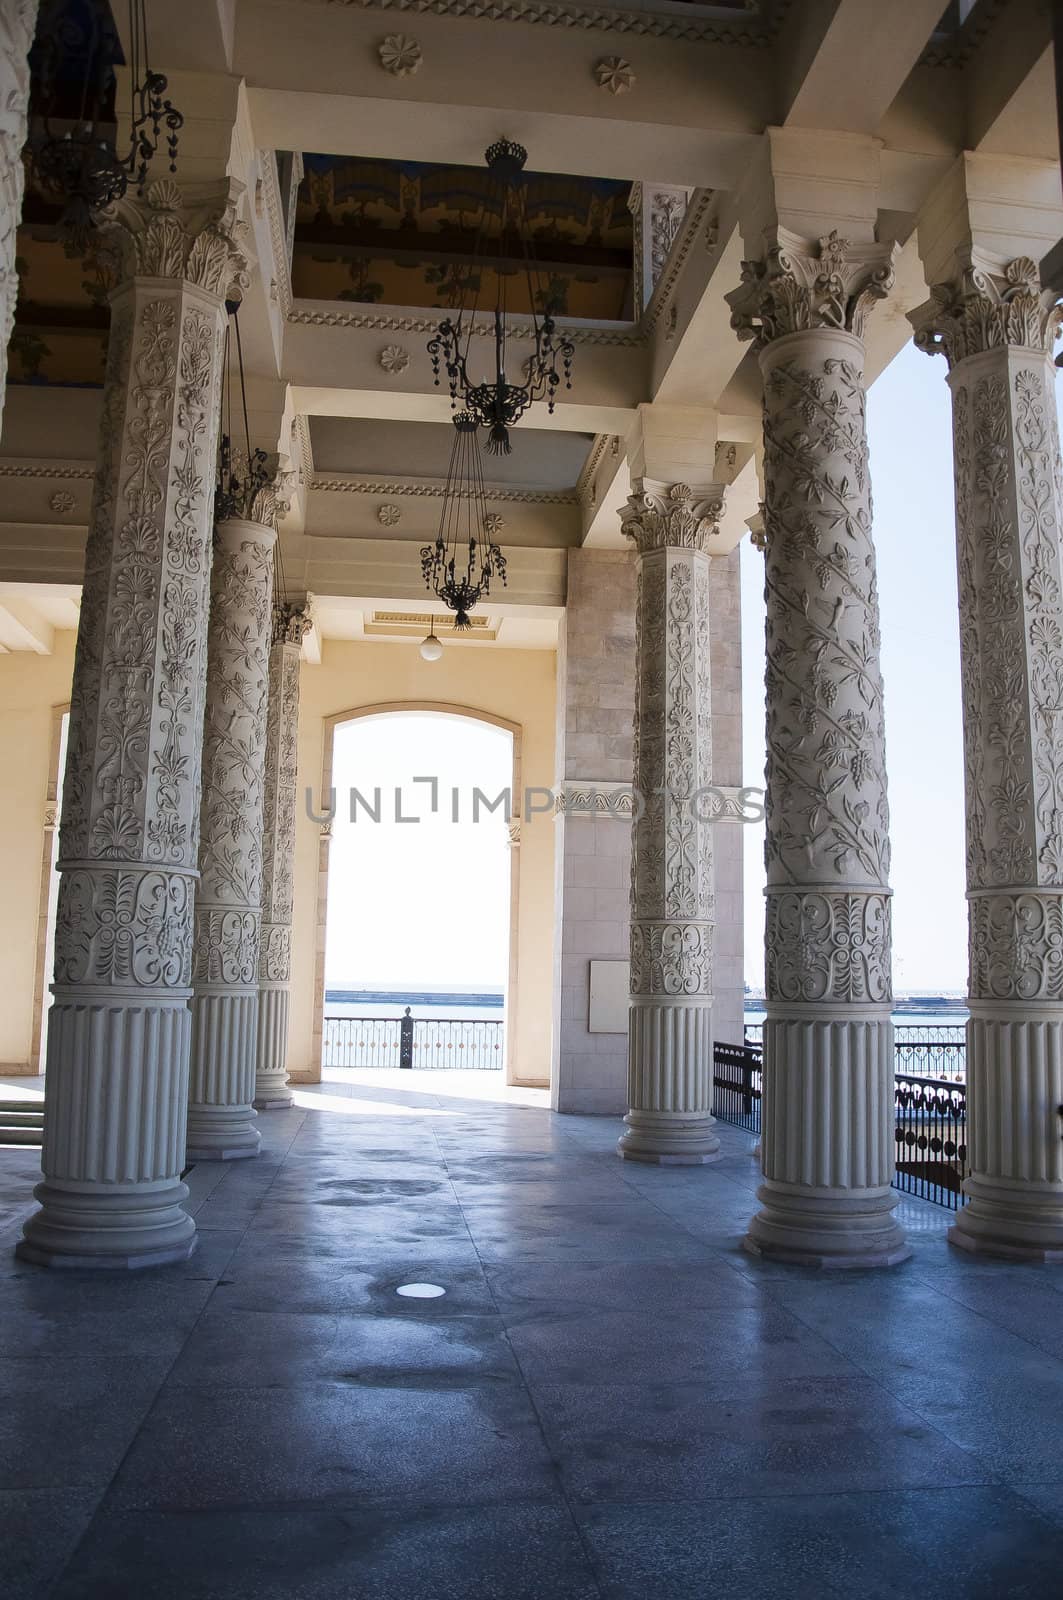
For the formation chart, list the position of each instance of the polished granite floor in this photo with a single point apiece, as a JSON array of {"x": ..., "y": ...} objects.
[{"x": 610, "y": 1400}]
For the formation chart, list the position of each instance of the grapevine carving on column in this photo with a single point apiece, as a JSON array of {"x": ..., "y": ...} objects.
[
  {"x": 670, "y": 1062},
  {"x": 17, "y": 19},
  {"x": 997, "y": 326},
  {"x": 118, "y": 1031},
  {"x": 828, "y": 1040},
  {"x": 291, "y": 622}
]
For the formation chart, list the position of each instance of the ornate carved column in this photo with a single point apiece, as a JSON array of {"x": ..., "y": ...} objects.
[
  {"x": 221, "y": 1122},
  {"x": 17, "y": 20},
  {"x": 290, "y": 624},
  {"x": 118, "y": 1031},
  {"x": 670, "y": 1032},
  {"x": 997, "y": 326},
  {"x": 828, "y": 1039}
]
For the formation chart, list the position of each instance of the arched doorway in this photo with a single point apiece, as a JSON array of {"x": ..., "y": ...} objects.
[{"x": 419, "y": 876}]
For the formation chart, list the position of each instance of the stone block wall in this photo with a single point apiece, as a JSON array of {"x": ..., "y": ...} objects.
[{"x": 595, "y": 707}]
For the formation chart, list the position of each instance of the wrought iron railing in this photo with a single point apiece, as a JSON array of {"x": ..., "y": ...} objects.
[
  {"x": 930, "y": 1116},
  {"x": 736, "y": 1085},
  {"x": 923, "y": 1050},
  {"x": 930, "y": 1129},
  {"x": 432, "y": 1043},
  {"x": 936, "y": 1050}
]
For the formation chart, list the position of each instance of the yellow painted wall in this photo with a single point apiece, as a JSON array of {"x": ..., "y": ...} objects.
[
  {"x": 30, "y": 686},
  {"x": 516, "y": 684}
]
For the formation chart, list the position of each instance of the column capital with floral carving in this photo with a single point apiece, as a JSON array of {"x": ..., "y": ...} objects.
[
  {"x": 800, "y": 285},
  {"x": 183, "y": 232},
  {"x": 291, "y": 621},
  {"x": 660, "y": 516},
  {"x": 988, "y": 305}
]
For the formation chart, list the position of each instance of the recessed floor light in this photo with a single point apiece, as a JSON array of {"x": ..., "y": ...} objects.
[{"x": 420, "y": 1291}]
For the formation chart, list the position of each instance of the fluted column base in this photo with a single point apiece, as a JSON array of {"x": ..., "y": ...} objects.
[
  {"x": 1014, "y": 1207},
  {"x": 221, "y": 1119},
  {"x": 272, "y": 1092},
  {"x": 828, "y": 1144},
  {"x": 115, "y": 1095},
  {"x": 670, "y": 1084}
]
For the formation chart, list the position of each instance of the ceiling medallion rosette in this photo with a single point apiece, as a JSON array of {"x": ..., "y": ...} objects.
[
  {"x": 459, "y": 566},
  {"x": 502, "y": 245}
]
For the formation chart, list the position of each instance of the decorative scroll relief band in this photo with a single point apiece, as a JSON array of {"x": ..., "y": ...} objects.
[
  {"x": 275, "y": 953},
  {"x": 801, "y": 285},
  {"x": 1016, "y": 946},
  {"x": 988, "y": 307},
  {"x": 659, "y": 517},
  {"x": 828, "y": 946},
  {"x": 124, "y": 926},
  {"x": 672, "y": 958},
  {"x": 589, "y": 797}
]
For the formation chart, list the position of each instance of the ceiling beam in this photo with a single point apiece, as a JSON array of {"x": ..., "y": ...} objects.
[
  {"x": 842, "y": 63},
  {"x": 23, "y": 628}
]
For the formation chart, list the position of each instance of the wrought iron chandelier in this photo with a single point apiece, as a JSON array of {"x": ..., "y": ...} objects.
[
  {"x": 72, "y": 149},
  {"x": 499, "y": 402},
  {"x": 459, "y": 567}
]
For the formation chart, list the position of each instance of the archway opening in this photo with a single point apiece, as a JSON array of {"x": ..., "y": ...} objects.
[{"x": 420, "y": 969}]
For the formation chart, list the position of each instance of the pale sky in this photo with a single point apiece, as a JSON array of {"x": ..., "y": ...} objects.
[{"x": 419, "y": 904}]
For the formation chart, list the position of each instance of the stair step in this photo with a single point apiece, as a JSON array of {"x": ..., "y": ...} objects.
[
  {"x": 21, "y": 1118},
  {"x": 21, "y": 1105},
  {"x": 20, "y": 1135}
]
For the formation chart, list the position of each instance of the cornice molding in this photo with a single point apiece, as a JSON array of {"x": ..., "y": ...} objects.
[
  {"x": 278, "y": 234},
  {"x": 624, "y": 336},
  {"x": 435, "y": 489},
  {"x": 746, "y": 33},
  {"x": 591, "y": 465}
]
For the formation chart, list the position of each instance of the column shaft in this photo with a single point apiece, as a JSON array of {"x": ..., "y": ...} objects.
[
  {"x": 670, "y": 1039},
  {"x": 17, "y": 19},
  {"x": 997, "y": 328},
  {"x": 221, "y": 1121},
  {"x": 290, "y": 622},
  {"x": 118, "y": 1032},
  {"x": 828, "y": 1039}
]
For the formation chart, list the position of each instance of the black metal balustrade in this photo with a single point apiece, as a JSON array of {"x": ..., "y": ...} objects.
[
  {"x": 930, "y": 1113},
  {"x": 931, "y": 1133},
  {"x": 936, "y": 1050},
  {"x": 736, "y": 1084},
  {"x": 431, "y": 1043}
]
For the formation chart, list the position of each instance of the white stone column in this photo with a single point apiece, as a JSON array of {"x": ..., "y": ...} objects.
[
  {"x": 17, "y": 21},
  {"x": 828, "y": 1141},
  {"x": 290, "y": 624},
  {"x": 118, "y": 1031},
  {"x": 221, "y": 1121},
  {"x": 997, "y": 327},
  {"x": 670, "y": 1038}
]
